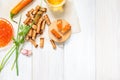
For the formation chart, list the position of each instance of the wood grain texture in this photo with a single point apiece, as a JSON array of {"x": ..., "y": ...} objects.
[
  {"x": 107, "y": 40},
  {"x": 79, "y": 63},
  {"x": 76, "y": 62}
]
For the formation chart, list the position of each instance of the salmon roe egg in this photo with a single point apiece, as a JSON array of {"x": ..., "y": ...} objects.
[{"x": 6, "y": 32}]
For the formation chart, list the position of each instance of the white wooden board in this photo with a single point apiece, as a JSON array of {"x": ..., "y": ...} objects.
[{"x": 92, "y": 54}]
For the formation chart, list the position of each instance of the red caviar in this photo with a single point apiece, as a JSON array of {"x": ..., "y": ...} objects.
[{"x": 6, "y": 32}]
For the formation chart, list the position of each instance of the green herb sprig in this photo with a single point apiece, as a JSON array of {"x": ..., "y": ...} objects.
[{"x": 18, "y": 42}]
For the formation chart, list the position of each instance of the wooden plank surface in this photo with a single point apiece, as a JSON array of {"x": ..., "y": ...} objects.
[
  {"x": 76, "y": 63},
  {"x": 24, "y": 62},
  {"x": 107, "y": 39},
  {"x": 79, "y": 63}
]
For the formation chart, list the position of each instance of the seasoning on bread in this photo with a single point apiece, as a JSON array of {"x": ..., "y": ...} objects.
[
  {"x": 59, "y": 24},
  {"x": 56, "y": 34},
  {"x": 66, "y": 29}
]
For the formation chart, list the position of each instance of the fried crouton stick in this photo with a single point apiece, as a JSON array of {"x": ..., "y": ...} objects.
[
  {"x": 34, "y": 43},
  {"x": 30, "y": 33},
  {"x": 41, "y": 42},
  {"x": 34, "y": 35},
  {"x": 66, "y": 29},
  {"x": 39, "y": 24},
  {"x": 53, "y": 44},
  {"x": 29, "y": 12},
  {"x": 27, "y": 20},
  {"x": 37, "y": 8},
  {"x": 43, "y": 25},
  {"x": 56, "y": 34},
  {"x": 34, "y": 27},
  {"x": 37, "y": 17},
  {"x": 47, "y": 20},
  {"x": 27, "y": 38},
  {"x": 59, "y": 24},
  {"x": 43, "y": 9}
]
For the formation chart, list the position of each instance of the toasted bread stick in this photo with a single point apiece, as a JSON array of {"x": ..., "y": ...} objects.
[
  {"x": 32, "y": 16},
  {"x": 27, "y": 38},
  {"x": 29, "y": 12},
  {"x": 47, "y": 20},
  {"x": 66, "y": 29},
  {"x": 34, "y": 43},
  {"x": 53, "y": 44},
  {"x": 59, "y": 24},
  {"x": 43, "y": 25},
  {"x": 43, "y": 9},
  {"x": 37, "y": 8},
  {"x": 27, "y": 20},
  {"x": 34, "y": 27},
  {"x": 39, "y": 24},
  {"x": 37, "y": 17},
  {"x": 56, "y": 34},
  {"x": 30, "y": 33},
  {"x": 28, "y": 15},
  {"x": 41, "y": 42},
  {"x": 34, "y": 35}
]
